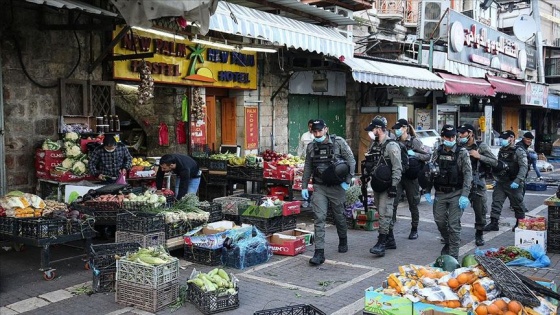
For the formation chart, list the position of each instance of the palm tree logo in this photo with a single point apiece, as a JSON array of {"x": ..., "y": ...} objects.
[{"x": 197, "y": 56}]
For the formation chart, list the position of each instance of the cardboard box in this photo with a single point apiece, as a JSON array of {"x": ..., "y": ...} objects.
[
  {"x": 211, "y": 236},
  {"x": 376, "y": 302},
  {"x": 307, "y": 235},
  {"x": 43, "y": 174},
  {"x": 68, "y": 176},
  {"x": 548, "y": 284},
  {"x": 77, "y": 191},
  {"x": 365, "y": 225},
  {"x": 526, "y": 238},
  {"x": 49, "y": 157},
  {"x": 286, "y": 175},
  {"x": 291, "y": 207},
  {"x": 287, "y": 244},
  {"x": 421, "y": 308}
]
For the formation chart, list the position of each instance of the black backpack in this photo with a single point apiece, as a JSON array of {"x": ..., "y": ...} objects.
[{"x": 404, "y": 155}]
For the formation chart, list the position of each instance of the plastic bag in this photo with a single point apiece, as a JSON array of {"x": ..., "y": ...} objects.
[
  {"x": 121, "y": 179},
  {"x": 541, "y": 260},
  {"x": 180, "y": 133},
  {"x": 163, "y": 134}
]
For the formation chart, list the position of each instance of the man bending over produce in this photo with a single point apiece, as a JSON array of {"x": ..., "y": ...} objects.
[{"x": 186, "y": 169}]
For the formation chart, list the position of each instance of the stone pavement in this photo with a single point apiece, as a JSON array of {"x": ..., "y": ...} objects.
[{"x": 336, "y": 287}]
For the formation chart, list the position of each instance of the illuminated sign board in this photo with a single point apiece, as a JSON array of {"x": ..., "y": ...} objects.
[{"x": 182, "y": 62}]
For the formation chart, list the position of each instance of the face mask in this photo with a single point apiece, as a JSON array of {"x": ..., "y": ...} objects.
[
  {"x": 110, "y": 150},
  {"x": 320, "y": 139},
  {"x": 371, "y": 135},
  {"x": 449, "y": 144},
  {"x": 504, "y": 142},
  {"x": 398, "y": 133},
  {"x": 463, "y": 140}
]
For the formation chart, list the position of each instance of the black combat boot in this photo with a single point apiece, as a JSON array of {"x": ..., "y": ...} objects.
[
  {"x": 478, "y": 239},
  {"x": 445, "y": 249},
  {"x": 379, "y": 248},
  {"x": 318, "y": 257},
  {"x": 493, "y": 225},
  {"x": 413, "y": 233},
  {"x": 342, "y": 244},
  {"x": 390, "y": 243}
]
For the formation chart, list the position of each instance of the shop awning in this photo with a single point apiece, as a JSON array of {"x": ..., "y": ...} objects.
[
  {"x": 234, "y": 19},
  {"x": 378, "y": 72},
  {"x": 459, "y": 85},
  {"x": 75, "y": 5},
  {"x": 506, "y": 86}
]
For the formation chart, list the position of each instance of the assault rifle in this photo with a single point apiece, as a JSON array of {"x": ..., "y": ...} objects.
[{"x": 365, "y": 178}]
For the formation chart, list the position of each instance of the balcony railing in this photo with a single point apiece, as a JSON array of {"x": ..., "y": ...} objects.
[
  {"x": 393, "y": 9},
  {"x": 411, "y": 12}
]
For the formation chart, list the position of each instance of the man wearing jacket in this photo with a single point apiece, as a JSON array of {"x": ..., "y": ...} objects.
[{"x": 186, "y": 169}]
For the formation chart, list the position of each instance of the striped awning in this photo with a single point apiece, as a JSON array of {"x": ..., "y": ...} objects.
[
  {"x": 385, "y": 73},
  {"x": 75, "y": 5},
  {"x": 238, "y": 20}
]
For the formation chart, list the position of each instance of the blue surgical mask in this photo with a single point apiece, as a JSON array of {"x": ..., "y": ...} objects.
[
  {"x": 463, "y": 140},
  {"x": 321, "y": 139},
  {"x": 398, "y": 133},
  {"x": 504, "y": 142},
  {"x": 449, "y": 144}
]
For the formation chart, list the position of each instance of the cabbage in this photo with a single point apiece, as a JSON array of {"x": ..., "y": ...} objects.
[
  {"x": 73, "y": 151},
  {"x": 71, "y": 136},
  {"x": 79, "y": 168}
]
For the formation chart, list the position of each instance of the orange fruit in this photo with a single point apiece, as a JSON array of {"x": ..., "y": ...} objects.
[
  {"x": 515, "y": 306},
  {"x": 481, "y": 310},
  {"x": 453, "y": 283},
  {"x": 463, "y": 278},
  {"x": 501, "y": 304},
  {"x": 510, "y": 313},
  {"x": 493, "y": 309},
  {"x": 454, "y": 304}
]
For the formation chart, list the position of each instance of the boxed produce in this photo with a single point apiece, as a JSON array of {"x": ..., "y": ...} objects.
[
  {"x": 213, "y": 292},
  {"x": 378, "y": 302},
  {"x": 526, "y": 238},
  {"x": 286, "y": 243},
  {"x": 537, "y": 224}
]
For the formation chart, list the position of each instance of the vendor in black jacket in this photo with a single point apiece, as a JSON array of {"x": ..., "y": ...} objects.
[{"x": 186, "y": 169}]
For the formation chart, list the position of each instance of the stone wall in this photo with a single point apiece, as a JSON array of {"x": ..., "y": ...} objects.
[{"x": 31, "y": 112}]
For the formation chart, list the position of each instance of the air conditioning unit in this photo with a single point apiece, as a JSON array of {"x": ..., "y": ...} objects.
[
  {"x": 340, "y": 11},
  {"x": 556, "y": 42},
  {"x": 429, "y": 14}
]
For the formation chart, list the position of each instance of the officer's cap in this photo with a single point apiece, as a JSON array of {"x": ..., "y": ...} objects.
[
  {"x": 528, "y": 135},
  {"x": 400, "y": 123},
  {"x": 448, "y": 131},
  {"x": 507, "y": 134},
  {"x": 318, "y": 124},
  {"x": 375, "y": 123},
  {"x": 465, "y": 127}
]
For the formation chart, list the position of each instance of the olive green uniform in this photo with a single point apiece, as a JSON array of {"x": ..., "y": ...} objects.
[
  {"x": 324, "y": 195},
  {"x": 447, "y": 213}
]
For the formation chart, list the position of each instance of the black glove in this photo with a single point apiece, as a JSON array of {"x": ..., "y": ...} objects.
[{"x": 392, "y": 192}]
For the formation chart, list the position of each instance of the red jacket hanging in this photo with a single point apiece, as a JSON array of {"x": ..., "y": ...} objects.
[{"x": 181, "y": 133}]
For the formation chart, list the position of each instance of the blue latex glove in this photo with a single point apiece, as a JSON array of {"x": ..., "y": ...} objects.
[
  {"x": 514, "y": 185},
  {"x": 305, "y": 194},
  {"x": 411, "y": 153},
  {"x": 463, "y": 202},
  {"x": 344, "y": 185},
  {"x": 428, "y": 197}
]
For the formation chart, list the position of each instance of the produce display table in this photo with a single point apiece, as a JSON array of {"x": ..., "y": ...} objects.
[
  {"x": 46, "y": 185},
  {"x": 53, "y": 229}
]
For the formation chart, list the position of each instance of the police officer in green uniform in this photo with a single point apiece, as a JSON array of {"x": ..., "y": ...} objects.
[
  {"x": 331, "y": 162},
  {"x": 510, "y": 179},
  {"x": 482, "y": 161},
  {"x": 384, "y": 155},
  {"x": 409, "y": 181},
  {"x": 451, "y": 178}
]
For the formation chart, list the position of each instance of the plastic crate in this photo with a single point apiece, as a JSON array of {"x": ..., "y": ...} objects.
[
  {"x": 553, "y": 213},
  {"x": 267, "y": 226},
  {"x": 217, "y": 165},
  {"x": 141, "y": 206},
  {"x": 204, "y": 256},
  {"x": 233, "y": 257},
  {"x": 148, "y": 299},
  {"x": 7, "y": 225},
  {"x": 233, "y": 217},
  {"x": 289, "y": 222},
  {"x": 215, "y": 210},
  {"x": 508, "y": 282},
  {"x": 233, "y": 171},
  {"x": 104, "y": 280},
  {"x": 300, "y": 309},
  {"x": 102, "y": 256},
  {"x": 145, "y": 240},
  {"x": 102, "y": 205},
  {"x": 175, "y": 229},
  {"x": 40, "y": 228},
  {"x": 213, "y": 179},
  {"x": 212, "y": 302},
  {"x": 144, "y": 275},
  {"x": 231, "y": 204},
  {"x": 201, "y": 161},
  {"x": 255, "y": 198},
  {"x": 553, "y": 242},
  {"x": 140, "y": 222}
]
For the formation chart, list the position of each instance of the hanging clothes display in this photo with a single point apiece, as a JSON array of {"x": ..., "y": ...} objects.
[
  {"x": 163, "y": 135},
  {"x": 181, "y": 133}
]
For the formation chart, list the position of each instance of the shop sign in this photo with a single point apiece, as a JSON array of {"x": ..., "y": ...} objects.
[
  {"x": 198, "y": 130},
  {"x": 182, "y": 62},
  {"x": 531, "y": 58},
  {"x": 535, "y": 94},
  {"x": 553, "y": 101},
  {"x": 251, "y": 128},
  {"x": 476, "y": 44}
]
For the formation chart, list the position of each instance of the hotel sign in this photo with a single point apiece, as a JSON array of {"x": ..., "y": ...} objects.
[
  {"x": 476, "y": 44},
  {"x": 181, "y": 62}
]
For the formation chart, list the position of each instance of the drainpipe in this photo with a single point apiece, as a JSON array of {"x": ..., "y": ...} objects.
[
  {"x": 3, "y": 177},
  {"x": 538, "y": 39},
  {"x": 272, "y": 103}
]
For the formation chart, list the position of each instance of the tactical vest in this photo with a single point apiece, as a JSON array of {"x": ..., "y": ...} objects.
[
  {"x": 449, "y": 174},
  {"x": 324, "y": 155},
  {"x": 507, "y": 156}
]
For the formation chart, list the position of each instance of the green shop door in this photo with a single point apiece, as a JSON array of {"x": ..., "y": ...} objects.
[{"x": 301, "y": 108}]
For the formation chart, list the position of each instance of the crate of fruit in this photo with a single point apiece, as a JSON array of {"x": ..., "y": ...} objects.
[
  {"x": 214, "y": 209},
  {"x": 213, "y": 292},
  {"x": 156, "y": 268}
]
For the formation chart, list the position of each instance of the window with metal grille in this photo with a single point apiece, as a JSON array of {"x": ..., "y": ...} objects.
[{"x": 86, "y": 98}]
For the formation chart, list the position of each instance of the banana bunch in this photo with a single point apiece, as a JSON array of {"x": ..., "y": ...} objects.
[
  {"x": 215, "y": 280},
  {"x": 236, "y": 161}
]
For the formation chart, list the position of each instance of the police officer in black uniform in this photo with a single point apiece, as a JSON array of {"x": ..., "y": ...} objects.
[
  {"x": 331, "y": 162},
  {"x": 482, "y": 161},
  {"x": 510, "y": 176}
]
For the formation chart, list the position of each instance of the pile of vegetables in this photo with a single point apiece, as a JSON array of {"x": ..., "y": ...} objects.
[
  {"x": 150, "y": 256},
  {"x": 146, "y": 198},
  {"x": 222, "y": 156},
  {"x": 272, "y": 156},
  {"x": 22, "y": 205},
  {"x": 75, "y": 161},
  {"x": 509, "y": 253},
  {"x": 217, "y": 280},
  {"x": 48, "y": 144},
  {"x": 185, "y": 210}
]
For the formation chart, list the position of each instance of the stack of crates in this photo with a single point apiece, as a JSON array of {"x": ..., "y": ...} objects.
[
  {"x": 103, "y": 263},
  {"x": 150, "y": 288},
  {"x": 147, "y": 229},
  {"x": 366, "y": 220},
  {"x": 553, "y": 229}
]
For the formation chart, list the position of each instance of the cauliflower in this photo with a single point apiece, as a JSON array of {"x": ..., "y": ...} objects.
[
  {"x": 67, "y": 163},
  {"x": 73, "y": 151},
  {"x": 71, "y": 136},
  {"x": 79, "y": 168}
]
